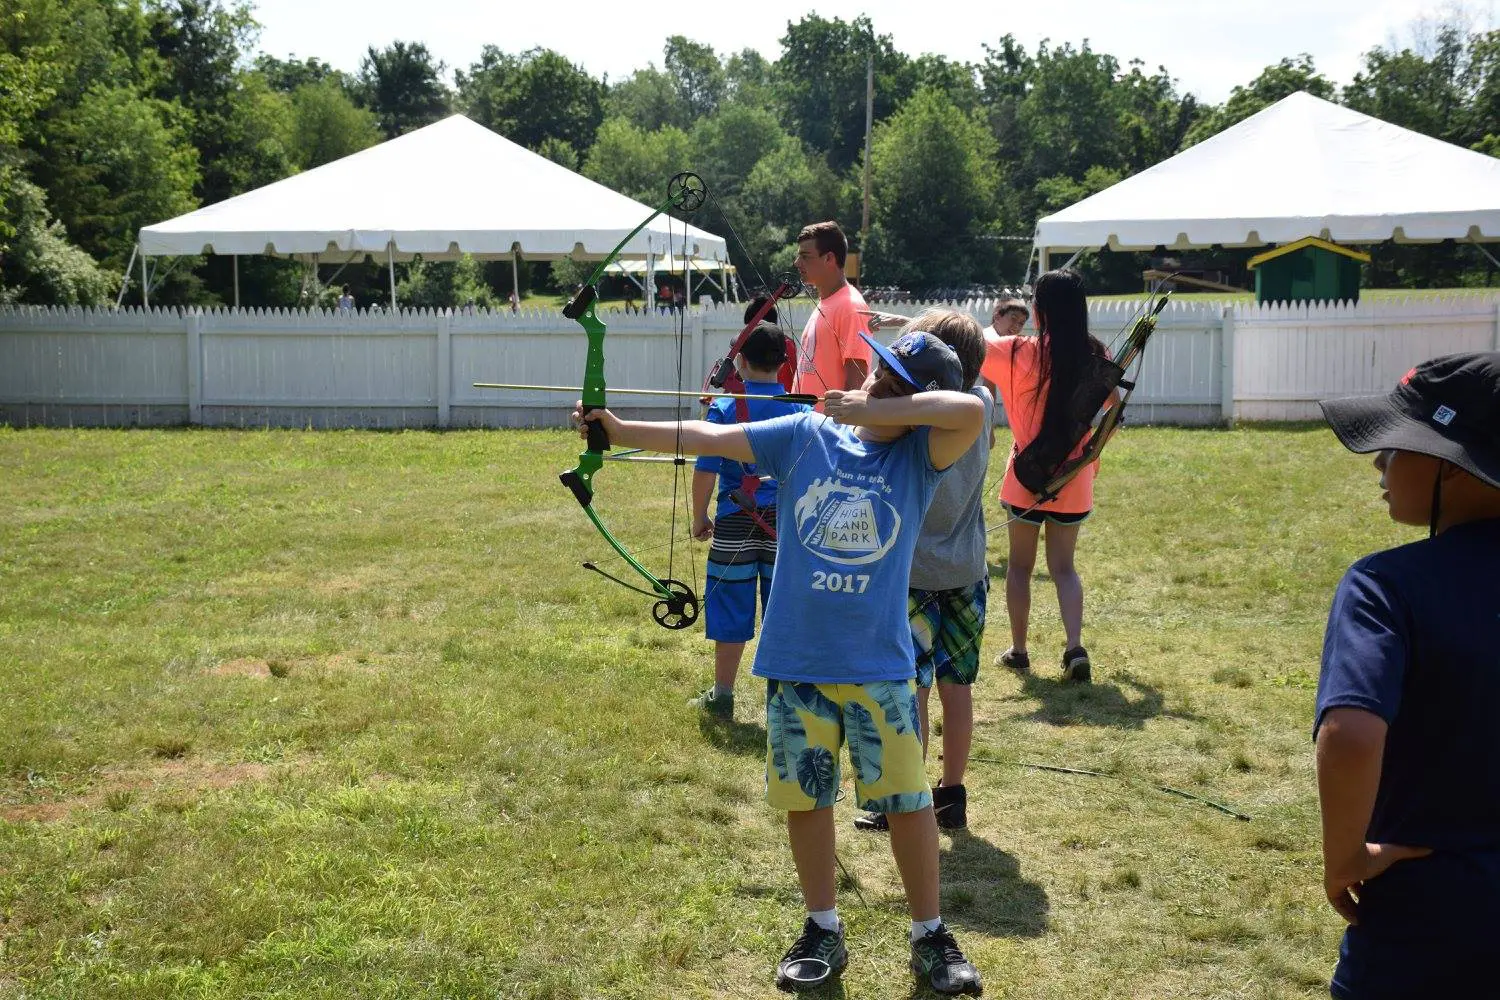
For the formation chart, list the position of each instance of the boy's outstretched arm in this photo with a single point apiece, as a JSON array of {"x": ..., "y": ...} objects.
[
  {"x": 694, "y": 437},
  {"x": 1351, "y": 746},
  {"x": 956, "y": 418}
]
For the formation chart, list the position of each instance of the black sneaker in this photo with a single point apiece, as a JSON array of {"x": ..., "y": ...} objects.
[
  {"x": 950, "y": 803},
  {"x": 815, "y": 958},
  {"x": 872, "y": 823},
  {"x": 1075, "y": 666},
  {"x": 936, "y": 960},
  {"x": 1013, "y": 659}
]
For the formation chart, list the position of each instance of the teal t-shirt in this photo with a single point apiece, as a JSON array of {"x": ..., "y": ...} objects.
[{"x": 849, "y": 515}]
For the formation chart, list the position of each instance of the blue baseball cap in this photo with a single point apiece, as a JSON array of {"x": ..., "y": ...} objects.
[{"x": 923, "y": 360}]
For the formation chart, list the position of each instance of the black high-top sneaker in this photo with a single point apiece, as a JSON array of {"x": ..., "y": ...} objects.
[{"x": 950, "y": 803}]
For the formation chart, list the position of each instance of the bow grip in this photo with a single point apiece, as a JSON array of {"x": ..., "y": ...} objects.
[
  {"x": 598, "y": 437},
  {"x": 579, "y": 304}
]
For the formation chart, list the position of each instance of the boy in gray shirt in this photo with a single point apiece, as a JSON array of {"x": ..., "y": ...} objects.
[{"x": 950, "y": 584}]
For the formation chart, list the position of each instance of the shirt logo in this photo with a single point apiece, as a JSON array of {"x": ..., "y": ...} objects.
[
  {"x": 1444, "y": 415},
  {"x": 844, "y": 523}
]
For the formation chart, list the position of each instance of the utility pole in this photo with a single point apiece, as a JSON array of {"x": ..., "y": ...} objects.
[{"x": 864, "y": 220}]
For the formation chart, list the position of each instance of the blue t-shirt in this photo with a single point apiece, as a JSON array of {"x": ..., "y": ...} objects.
[
  {"x": 732, "y": 473},
  {"x": 1414, "y": 637},
  {"x": 850, "y": 515}
]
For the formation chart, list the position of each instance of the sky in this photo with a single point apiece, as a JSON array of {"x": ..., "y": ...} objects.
[{"x": 1207, "y": 47}]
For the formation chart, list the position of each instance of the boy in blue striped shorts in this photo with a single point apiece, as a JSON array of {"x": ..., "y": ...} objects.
[{"x": 743, "y": 551}]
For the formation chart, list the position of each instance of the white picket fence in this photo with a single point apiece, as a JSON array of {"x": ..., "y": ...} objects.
[{"x": 1208, "y": 363}]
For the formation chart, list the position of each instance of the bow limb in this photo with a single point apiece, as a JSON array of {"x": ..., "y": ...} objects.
[
  {"x": 677, "y": 606},
  {"x": 723, "y": 375}
]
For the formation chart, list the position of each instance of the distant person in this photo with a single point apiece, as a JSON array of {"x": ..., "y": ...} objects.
[
  {"x": 630, "y": 298},
  {"x": 515, "y": 301},
  {"x": 1007, "y": 320},
  {"x": 1408, "y": 761},
  {"x": 832, "y": 353},
  {"x": 346, "y": 300},
  {"x": 663, "y": 299}
]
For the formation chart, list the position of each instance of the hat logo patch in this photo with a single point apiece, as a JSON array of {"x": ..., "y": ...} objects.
[{"x": 1444, "y": 415}]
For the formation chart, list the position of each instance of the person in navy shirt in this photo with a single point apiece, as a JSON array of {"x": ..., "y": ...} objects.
[
  {"x": 835, "y": 648},
  {"x": 1409, "y": 695}
]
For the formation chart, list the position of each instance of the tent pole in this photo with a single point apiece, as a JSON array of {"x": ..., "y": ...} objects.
[
  {"x": 390, "y": 257},
  {"x": 515, "y": 274},
  {"x": 649, "y": 292},
  {"x": 236, "y": 259},
  {"x": 125, "y": 283},
  {"x": 145, "y": 285}
]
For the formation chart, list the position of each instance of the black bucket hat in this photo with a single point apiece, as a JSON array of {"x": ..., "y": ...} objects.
[{"x": 1447, "y": 408}]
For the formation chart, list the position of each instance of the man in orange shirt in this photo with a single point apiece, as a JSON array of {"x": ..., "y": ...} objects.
[{"x": 832, "y": 354}]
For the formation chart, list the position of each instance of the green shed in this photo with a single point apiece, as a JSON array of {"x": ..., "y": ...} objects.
[{"x": 1309, "y": 270}]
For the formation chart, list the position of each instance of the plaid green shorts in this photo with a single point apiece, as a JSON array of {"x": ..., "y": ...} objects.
[{"x": 946, "y": 628}]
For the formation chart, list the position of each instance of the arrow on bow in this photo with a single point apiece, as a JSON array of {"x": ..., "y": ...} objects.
[
  {"x": 784, "y": 397},
  {"x": 676, "y": 605}
]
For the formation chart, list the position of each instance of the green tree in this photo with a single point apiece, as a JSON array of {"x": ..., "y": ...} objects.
[
  {"x": 533, "y": 97},
  {"x": 697, "y": 75},
  {"x": 327, "y": 125},
  {"x": 728, "y": 141},
  {"x": 957, "y": 81},
  {"x": 647, "y": 99},
  {"x": 749, "y": 80},
  {"x": 1424, "y": 93},
  {"x": 199, "y": 43},
  {"x": 403, "y": 85},
  {"x": 38, "y": 265},
  {"x": 445, "y": 285},
  {"x": 289, "y": 75},
  {"x": 934, "y": 184},
  {"x": 637, "y": 163},
  {"x": 785, "y": 190},
  {"x": 820, "y": 79},
  {"x": 119, "y": 162}
]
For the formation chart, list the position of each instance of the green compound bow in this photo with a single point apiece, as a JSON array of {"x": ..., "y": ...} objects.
[{"x": 676, "y": 605}]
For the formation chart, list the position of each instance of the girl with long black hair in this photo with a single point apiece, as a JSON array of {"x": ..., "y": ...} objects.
[{"x": 1037, "y": 377}]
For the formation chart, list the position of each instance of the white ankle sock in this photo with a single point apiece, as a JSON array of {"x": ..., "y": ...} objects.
[
  {"x": 826, "y": 919},
  {"x": 921, "y": 928},
  {"x": 720, "y": 691}
]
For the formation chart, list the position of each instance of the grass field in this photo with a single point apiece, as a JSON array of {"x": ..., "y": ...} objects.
[{"x": 339, "y": 715}]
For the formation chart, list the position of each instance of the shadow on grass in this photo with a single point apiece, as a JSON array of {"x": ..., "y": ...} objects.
[
  {"x": 744, "y": 739},
  {"x": 1099, "y": 704},
  {"x": 983, "y": 890}
]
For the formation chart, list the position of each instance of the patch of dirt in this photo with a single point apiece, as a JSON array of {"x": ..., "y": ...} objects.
[
  {"x": 179, "y": 776},
  {"x": 245, "y": 666}
]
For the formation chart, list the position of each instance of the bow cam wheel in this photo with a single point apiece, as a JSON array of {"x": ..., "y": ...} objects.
[
  {"x": 687, "y": 191},
  {"x": 678, "y": 611}
]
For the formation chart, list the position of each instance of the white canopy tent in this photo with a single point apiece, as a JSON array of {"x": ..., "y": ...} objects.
[
  {"x": 641, "y": 273},
  {"x": 1302, "y": 167},
  {"x": 451, "y": 188}
]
